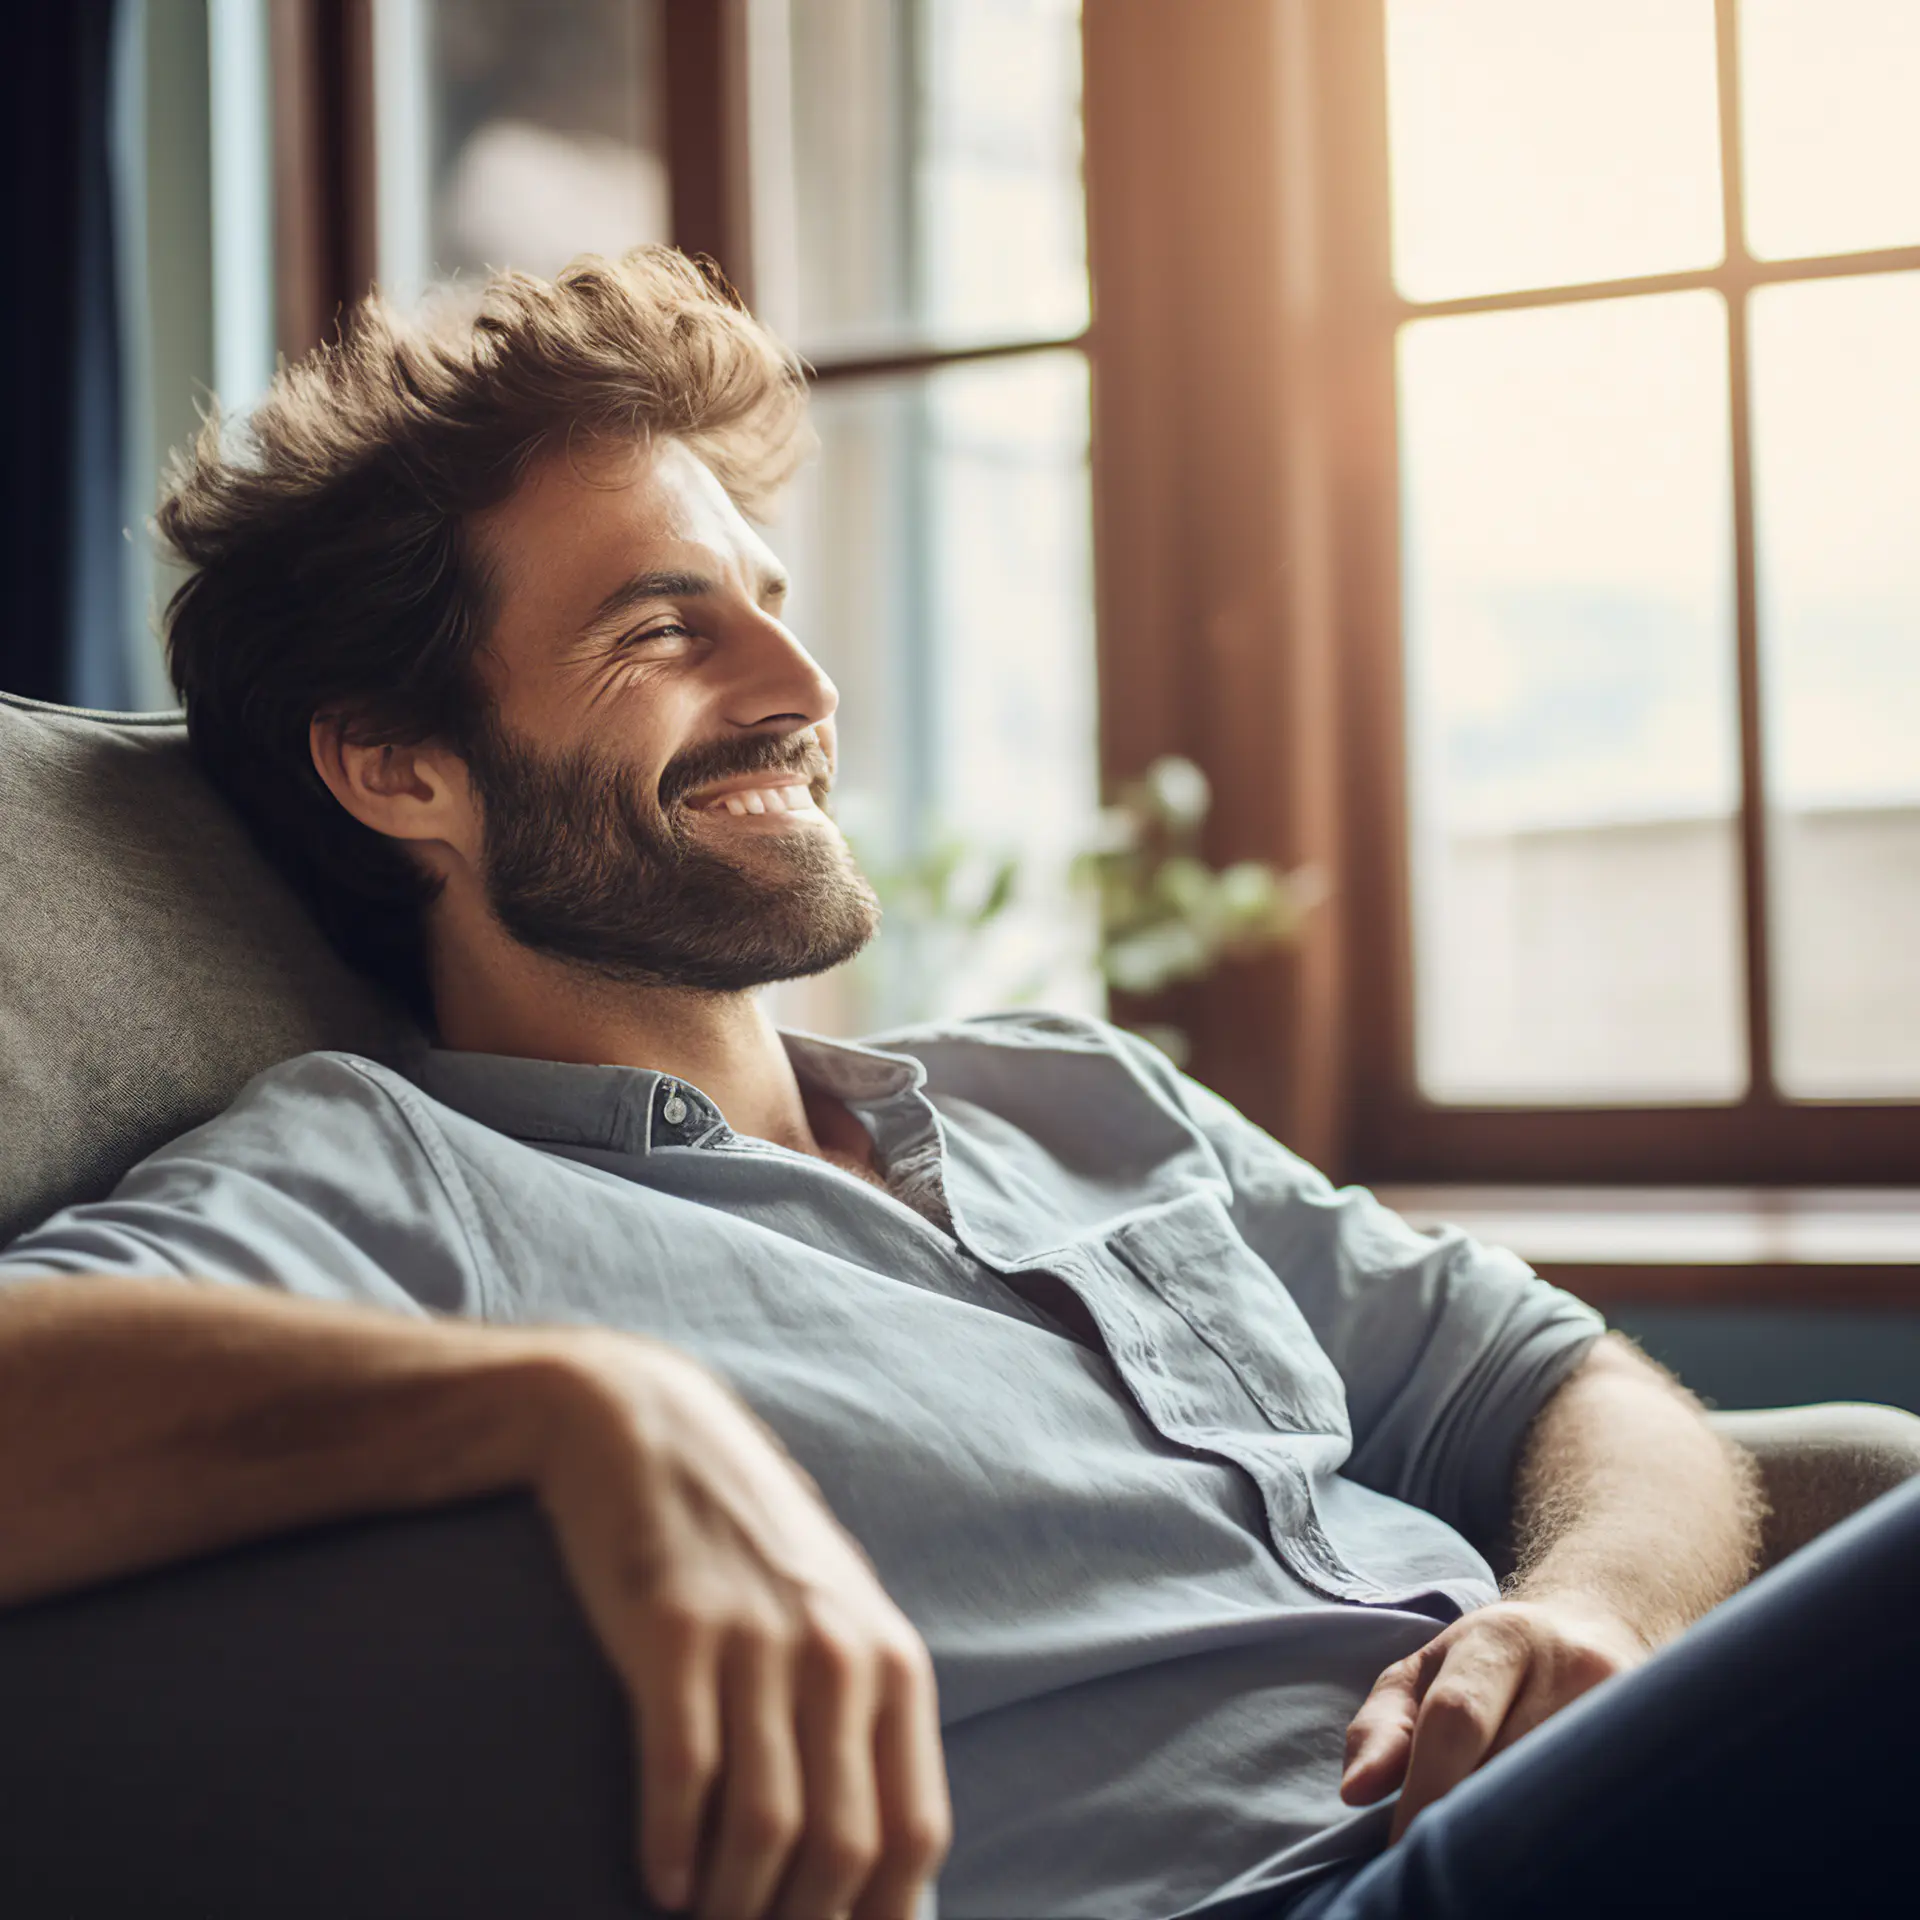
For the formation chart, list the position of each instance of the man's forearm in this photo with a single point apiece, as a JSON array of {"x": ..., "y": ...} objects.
[
  {"x": 1626, "y": 1497},
  {"x": 144, "y": 1421},
  {"x": 141, "y": 1422}
]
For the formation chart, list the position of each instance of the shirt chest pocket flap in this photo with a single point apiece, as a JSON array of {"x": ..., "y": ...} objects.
[{"x": 1190, "y": 1255}]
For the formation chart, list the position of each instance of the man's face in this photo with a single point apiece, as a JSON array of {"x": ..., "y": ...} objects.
[{"x": 652, "y": 788}]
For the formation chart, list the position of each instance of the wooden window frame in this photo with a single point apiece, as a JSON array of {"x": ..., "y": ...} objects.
[
  {"x": 320, "y": 57},
  {"x": 1299, "y": 644},
  {"x": 1762, "y": 1137}
]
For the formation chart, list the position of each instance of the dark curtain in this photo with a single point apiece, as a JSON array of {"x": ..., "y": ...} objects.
[{"x": 64, "y": 561}]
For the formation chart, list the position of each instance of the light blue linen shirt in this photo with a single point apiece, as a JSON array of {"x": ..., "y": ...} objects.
[{"x": 1156, "y": 1577}]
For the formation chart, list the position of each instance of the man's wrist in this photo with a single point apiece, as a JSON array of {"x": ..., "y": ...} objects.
[
  {"x": 571, "y": 1395},
  {"x": 1599, "y": 1604}
]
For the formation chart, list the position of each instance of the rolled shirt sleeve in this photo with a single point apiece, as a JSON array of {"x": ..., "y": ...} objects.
[{"x": 315, "y": 1181}]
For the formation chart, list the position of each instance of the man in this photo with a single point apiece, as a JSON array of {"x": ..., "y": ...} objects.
[{"x": 1174, "y": 1465}]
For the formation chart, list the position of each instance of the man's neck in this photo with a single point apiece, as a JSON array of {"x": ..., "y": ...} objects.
[{"x": 504, "y": 999}]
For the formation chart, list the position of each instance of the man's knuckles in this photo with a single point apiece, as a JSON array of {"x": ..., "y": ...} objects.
[
  {"x": 765, "y": 1821},
  {"x": 684, "y": 1750},
  {"x": 1572, "y": 1640},
  {"x": 1584, "y": 1664},
  {"x": 684, "y": 1620},
  {"x": 844, "y": 1855},
  {"x": 920, "y": 1841},
  {"x": 1454, "y": 1709},
  {"x": 903, "y": 1662},
  {"x": 1511, "y": 1631},
  {"x": 832, "y": 1653},
  {"x": 1583, "y": 1651}
]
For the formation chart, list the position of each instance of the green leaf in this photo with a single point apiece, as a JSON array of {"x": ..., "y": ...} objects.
[{"x": 999, "y": 892}]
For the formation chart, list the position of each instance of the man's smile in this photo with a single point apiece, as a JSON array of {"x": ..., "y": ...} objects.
[
  {"x": 770, "y": 797},
  {"x": 763, "y": 801}
]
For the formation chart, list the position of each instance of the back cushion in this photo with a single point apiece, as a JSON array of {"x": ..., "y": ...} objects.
[{"x": 151, "y": 960}]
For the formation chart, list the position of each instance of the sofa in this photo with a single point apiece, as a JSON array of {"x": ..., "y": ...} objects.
[{"x": 394, "y": 1717}]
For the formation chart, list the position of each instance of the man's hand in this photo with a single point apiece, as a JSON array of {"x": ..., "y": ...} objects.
[
  {"x": 787, "y": 1727},
  {"x": 788, "y": 1732},
  {"x": 1630, "y": 1520},
  {"x": 1472, "y": 1691}
]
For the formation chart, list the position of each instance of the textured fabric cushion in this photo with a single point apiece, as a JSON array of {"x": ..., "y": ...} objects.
[
  {"x": 151, "y": 960},
  {"x": 1820, "y": 1464}
]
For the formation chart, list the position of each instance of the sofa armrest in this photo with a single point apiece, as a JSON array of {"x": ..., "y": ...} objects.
[
  {"x": 404, "y": 1715},
  {"x": 1819, "y": 1464}
]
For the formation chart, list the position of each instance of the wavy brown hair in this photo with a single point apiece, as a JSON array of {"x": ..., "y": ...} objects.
[{"x": 328, "y": 535}]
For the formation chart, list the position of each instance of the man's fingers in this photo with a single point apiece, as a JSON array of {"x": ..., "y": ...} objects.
[
  {"x": 910, "y": 1772},
  {"x": 762, "y": 1802},
  {"x": 1558, "y": 1676},
  {"x": 841, "y": 1841},
  {"x": 1461, "y": 1715},
  {"x": 1381, "y": 1733},
  {"x": 1540, "y": 1699},
  {"x": 678, "y": 1748}
]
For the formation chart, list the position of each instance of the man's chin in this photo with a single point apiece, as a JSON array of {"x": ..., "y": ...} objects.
[
  {"x": 754, "y": 921},
  {"x": 718, "y": 903}
]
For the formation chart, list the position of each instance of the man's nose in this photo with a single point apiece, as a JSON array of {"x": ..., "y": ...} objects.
[{"x": 778, "y": 679}]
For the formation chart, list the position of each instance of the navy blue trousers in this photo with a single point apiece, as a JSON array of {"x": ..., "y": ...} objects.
[{"x": 1767, "y": 1762}]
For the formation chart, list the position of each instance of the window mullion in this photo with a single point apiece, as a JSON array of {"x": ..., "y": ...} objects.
[
  {"x": 1753, "y": 803},
  {"x": 321, "y": 62},
  {"x": 704, "y": 46},
  {"x": 909, "y": 361}
]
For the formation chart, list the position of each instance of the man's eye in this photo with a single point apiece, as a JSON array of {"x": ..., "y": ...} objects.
[{"x": 666, "y": 639}]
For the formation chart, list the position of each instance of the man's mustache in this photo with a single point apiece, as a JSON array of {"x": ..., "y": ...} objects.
[{"x": 796, "y": 754}]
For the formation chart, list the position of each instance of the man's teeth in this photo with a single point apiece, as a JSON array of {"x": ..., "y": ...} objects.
[{"x": 796, "y": 799}]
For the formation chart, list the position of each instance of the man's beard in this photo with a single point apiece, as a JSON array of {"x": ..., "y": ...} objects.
[{"x": 583, "y": 866}]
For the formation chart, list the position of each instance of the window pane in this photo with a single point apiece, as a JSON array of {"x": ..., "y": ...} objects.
[
  {"x": 1538, "y": 145},
  {"x": 1572, "y": 705},
  {"x": 1829, "y": 124},
  {"x": 935, "y": 183},
  {"x": 940, "y": 555},
  {"x": 1836, "y": 393},
  {"x": 515, "y": 133}
]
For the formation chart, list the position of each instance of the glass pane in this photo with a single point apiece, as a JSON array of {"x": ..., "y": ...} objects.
[
  {"x": 940, "y": 557},
  {"x": 935, "y": 179},
  {"x": 1539, "y": 146},
  {"x": 515, "y": 133},
  {"x": 1836, "y": 397},
  {"x": 1572, "y": 705},
  {"x": 1829, "y": 124}
]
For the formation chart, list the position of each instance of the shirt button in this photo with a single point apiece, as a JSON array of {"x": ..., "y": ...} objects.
[{"x": 674, "y": 1111}]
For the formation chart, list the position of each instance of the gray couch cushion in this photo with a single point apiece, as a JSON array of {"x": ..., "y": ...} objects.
[{"x": 151, "y": 960}]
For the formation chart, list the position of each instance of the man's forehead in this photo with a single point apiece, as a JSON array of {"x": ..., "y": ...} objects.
[{"x": 585, "y": 520}]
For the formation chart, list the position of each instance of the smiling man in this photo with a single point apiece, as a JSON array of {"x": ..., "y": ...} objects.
[{"x": 977, "y": 1445}]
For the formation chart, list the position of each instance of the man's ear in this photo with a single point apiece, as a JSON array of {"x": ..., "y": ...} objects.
[{"x": 417, "y": 793}]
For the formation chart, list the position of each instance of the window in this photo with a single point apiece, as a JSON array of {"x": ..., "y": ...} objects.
[
  {"x": 1638, "y": 287},
  {"x": 509, "y": 134},
  {"x": 1499, "y": 421},
  {"x": 195, "y": 243}
]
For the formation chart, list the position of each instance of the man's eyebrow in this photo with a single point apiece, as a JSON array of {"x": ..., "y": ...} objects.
[{"x": 668, "y": 584}]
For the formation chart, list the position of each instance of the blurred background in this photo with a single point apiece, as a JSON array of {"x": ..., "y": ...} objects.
[{"x": 1376, "y": 540}]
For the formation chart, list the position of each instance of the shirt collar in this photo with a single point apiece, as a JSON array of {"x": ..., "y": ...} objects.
[{"x": 637, "y": 1109}]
